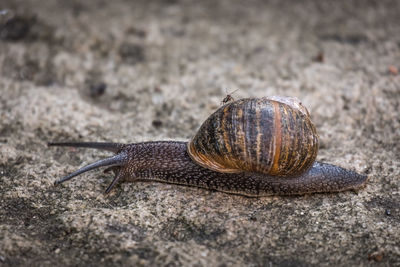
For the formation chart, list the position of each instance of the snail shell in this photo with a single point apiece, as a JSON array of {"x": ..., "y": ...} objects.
[{"x": 272, "y": 135}]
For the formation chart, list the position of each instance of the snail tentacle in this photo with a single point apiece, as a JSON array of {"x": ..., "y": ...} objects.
[
  {"x": 116, "y": 160},
  {"x": 113, "y": 147},
  {"x": 118, "y": 176}
]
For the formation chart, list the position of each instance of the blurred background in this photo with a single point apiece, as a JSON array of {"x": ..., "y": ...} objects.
[{"x": 133, "y": 71}]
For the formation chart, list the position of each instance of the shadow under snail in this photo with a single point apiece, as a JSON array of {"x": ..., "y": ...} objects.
[{"x": 252, "y": 147}]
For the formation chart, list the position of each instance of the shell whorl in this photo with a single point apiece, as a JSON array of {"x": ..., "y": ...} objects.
[{"x": 256, "y": 135}]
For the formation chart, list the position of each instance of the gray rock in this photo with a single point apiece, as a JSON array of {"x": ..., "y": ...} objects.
[{"x": 333, "y": 56}]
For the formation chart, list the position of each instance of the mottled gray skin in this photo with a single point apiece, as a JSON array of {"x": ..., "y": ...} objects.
[{"x": 169, "y": 162}]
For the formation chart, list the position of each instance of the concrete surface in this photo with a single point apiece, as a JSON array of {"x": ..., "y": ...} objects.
[{"x": 133, "y": 71}]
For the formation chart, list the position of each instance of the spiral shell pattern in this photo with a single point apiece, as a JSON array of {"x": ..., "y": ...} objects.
[{"x": 256, "y": 135}]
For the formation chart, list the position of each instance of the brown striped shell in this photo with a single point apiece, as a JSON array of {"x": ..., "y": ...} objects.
[{"x": 269, "y": 135}]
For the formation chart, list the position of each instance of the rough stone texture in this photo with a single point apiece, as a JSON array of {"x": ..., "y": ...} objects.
[{"x": 132, "y": 71}]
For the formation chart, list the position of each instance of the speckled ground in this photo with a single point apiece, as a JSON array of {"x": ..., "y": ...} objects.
[{"x": 133, "y": 71}]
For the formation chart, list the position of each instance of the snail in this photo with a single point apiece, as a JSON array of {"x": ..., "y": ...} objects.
[{"x": 253, "y": 147}]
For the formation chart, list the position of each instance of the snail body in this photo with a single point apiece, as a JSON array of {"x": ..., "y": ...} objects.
[{"x": 253, "y": 147}]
